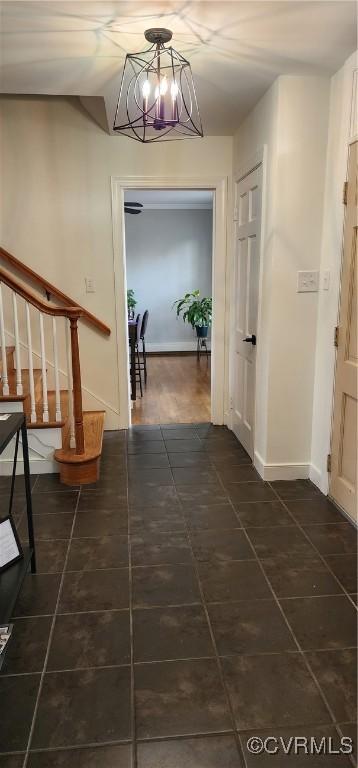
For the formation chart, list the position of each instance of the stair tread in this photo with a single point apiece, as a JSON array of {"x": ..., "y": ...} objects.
[{"x": 93, "y": 425}]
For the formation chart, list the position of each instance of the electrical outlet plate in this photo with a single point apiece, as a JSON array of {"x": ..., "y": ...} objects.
[{"x": 307, "y": 282}]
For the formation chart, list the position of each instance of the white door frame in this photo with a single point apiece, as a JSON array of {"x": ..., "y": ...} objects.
[
  {"x": 253, "y": 162},
  {"x": 219, "y": 357}
]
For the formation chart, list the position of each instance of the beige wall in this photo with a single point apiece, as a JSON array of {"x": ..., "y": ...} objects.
[
  {"x": 56, "y": 168},
  {"x": 292, "y": 121}
]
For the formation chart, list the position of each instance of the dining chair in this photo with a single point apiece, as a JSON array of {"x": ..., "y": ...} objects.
[
  {"x": 142, "y": 338},
  {"x": 138, "y": 367},
  {"x": 137, "y": 372}
]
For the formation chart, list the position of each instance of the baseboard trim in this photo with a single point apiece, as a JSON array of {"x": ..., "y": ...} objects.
[
  {"x": 172, "y": 347},
  {"x": 319, "y": 478},
  {"x": 228, "y": 419},
  {"x": 281, "y": 471},
  {"x": 37, "y": 467}
]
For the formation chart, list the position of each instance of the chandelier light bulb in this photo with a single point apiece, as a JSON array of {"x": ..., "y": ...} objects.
[
  {"x": 174, "y": 90},
  {"x": 163, "y": 86},
  {"x": 146, "y": 89}
]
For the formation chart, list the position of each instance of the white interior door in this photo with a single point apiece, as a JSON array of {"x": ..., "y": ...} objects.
[
  {"x": 247, "y": 273},
  {"x": 343, "y": 486}
]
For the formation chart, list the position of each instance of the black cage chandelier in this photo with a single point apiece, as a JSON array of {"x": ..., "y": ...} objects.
[{"x": 157, "y": 99}]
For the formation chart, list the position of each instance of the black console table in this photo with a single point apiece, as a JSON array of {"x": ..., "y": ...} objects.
[{"x": 11, "y": 579}]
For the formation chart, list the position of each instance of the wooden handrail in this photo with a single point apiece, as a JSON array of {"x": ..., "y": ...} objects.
[
  {"x": 73, "y": 314},
  {"x": 51, "y": 290},
  {"x": 26, "y": 294}
]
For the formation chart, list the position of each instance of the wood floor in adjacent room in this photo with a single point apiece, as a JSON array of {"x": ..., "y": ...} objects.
[{"x": 177, "y": 391}]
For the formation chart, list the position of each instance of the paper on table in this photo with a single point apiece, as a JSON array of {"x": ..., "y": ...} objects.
[
  {"x": 5, "y": 634},
  {"x": 4, "y": 416},
  {"x": 8, "y": 546}
]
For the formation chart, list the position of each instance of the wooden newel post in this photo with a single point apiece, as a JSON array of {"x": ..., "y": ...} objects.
[{"x": 77, "y": 387}]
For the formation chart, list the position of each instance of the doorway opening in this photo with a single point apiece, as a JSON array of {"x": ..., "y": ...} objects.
[
  {"x": 168, "y": 252},
  {"x": 219, "y": 332}
]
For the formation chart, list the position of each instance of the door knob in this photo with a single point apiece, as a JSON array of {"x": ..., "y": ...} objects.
[{"x": 251, "y": 340}]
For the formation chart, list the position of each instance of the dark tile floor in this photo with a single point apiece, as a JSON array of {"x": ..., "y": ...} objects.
[{"x": 181, "y": 606}]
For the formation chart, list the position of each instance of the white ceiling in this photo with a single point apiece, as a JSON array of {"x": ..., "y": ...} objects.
[
  {"x": 236, "y": 48},
  {"x": 171, "y": 198}
]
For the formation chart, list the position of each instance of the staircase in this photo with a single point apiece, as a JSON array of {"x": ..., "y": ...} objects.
[{"x": 40, "y": 372}]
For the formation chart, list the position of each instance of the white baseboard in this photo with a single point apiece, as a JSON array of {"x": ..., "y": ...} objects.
[
  {"x": 319, "y": 478},
  {"x": 173, "y": 346},
  {"x": 282, "y": 470},
  {"x": 37, "y": 467}
]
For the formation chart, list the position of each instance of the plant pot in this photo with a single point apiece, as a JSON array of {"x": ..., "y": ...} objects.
[{"x": 202, "y": 331}]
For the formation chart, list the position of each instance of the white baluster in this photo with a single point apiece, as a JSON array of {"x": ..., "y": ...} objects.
[
  {"x": 45, "y": 414},
  {"x": 4, "y": 376},
  {"x": 57, "y": 378},
  {"x": 19, "y": 389},
  {"x": 70, "y": 387},
  {"x": 33, "y": 416}
]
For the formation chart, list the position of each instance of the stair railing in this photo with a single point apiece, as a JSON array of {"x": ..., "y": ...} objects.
[
  {"x": 50, "y": 291},
  {"x": 71, "y": 317}
]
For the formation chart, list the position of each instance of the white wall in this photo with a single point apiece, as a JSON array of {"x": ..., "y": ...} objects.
[
  {"x": 291, "y": 120},
  {"x": 55, "y": 187},
  {"x": 169, "y": 253},
  {"x": 341, "y": 129}
]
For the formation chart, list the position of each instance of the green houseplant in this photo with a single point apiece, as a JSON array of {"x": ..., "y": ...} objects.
[
  {"x": 131, "y": 303},
  {"x": 196, "y": 311}
]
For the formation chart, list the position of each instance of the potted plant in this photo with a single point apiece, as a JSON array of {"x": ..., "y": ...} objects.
[
  {"x": 196, "y": 311},
  {"x": 131, "y": 303}
]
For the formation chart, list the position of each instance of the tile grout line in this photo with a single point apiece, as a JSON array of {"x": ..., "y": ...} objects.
[
  {"x": 319, "y": 554},
  {"x": 308, "y": 665},
  {"x": 217, "y": 658},
  {"x": 131, "y": 633},
  {"x": 145, "y": 606},
  {"x": 237, "y": 516},
  {"x": 300, "y": 650},
  {"x": 149, "y": 662},
  {"x": 42, "y": 677}
]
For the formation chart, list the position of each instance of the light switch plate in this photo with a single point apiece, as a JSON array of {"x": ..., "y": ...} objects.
[
  {"x": 90, "y": 285},
  {"x": 307, "y": 282}
]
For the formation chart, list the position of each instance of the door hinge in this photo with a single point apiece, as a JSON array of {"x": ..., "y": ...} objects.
[
  {"x": 336, "y": 336},
  {"x": 329, "y": 462},
  {"x": 345, "y": 192}
]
